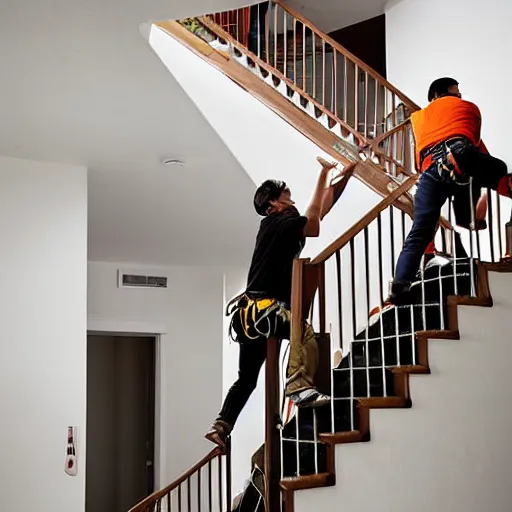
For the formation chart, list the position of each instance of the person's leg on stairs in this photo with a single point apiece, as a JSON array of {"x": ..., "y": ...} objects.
[
  {"x": 302, "y": 367},
  {"x": 492, "y": 173},
  {"x": 251, "y": 358},
  {"x": 430, "y": 196}
]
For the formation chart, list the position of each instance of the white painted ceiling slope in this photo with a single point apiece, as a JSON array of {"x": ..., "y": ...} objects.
[{"x": 78, "y": 84}]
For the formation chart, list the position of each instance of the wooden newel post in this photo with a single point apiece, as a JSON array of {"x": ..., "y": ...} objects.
[{"x": 272, "y": 423}]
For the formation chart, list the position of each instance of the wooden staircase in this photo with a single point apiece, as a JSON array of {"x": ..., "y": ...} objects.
[
  {"x": 314, "y": 115},
  {"x": 351, "y": 123}
]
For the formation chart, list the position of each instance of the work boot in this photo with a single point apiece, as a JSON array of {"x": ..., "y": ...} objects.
[
  {"x": 309, "y": 398},
  {"x": 399, "y": 295},
  {"x": 219, "y": 433}
]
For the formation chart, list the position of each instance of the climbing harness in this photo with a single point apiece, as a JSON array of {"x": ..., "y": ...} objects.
[
  {"x": 442, "y": 156},
  {"x": 254, "y": 317}
]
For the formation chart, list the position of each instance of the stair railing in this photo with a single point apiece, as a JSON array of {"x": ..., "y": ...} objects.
[
  {"x": 336, "y": 290},
  {"x": 206, "y": 486},
  {"x": 342, "y": 292},
  {"x": 320, "y": 67},
  {"x": 267, "y": 69},
  {"x": 394, "y": 150}
]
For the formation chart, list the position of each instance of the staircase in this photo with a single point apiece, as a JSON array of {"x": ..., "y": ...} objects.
[
  {"x": 368, "y": 364},
  {"x": 349, "y": 114}
]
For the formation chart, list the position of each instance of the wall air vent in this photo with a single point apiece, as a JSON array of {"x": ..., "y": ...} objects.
[{"x": 129, "y": 280}]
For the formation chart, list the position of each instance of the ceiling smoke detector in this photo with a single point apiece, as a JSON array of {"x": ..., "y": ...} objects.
[{"x": 168, "y": 161}]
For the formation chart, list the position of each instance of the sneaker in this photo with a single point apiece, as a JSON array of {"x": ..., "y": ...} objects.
[
  {"x": 219, "y": 433},
  {"x": 399, "y": 294},
  {"x": 310, "y": 398}
]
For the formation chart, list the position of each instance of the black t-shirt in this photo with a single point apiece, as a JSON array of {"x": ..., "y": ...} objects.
[{"x": 280, "y": 240}]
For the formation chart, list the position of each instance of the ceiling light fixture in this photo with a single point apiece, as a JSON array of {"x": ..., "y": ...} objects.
[{"x": 172, "y": 161}]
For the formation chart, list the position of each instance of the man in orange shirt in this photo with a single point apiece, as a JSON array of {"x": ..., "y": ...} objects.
[{"x": 449, "y": 151}]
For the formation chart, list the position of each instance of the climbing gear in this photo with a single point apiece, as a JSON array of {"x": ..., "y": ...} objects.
[
  {"x": 442, "y": 156},
  {"x": 254, "y": 317}
]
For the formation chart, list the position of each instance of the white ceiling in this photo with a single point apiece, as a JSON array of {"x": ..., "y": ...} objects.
[{"x": 79, "y": 84}]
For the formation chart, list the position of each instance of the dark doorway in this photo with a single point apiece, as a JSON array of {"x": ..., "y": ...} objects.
[
  {"x": 120, "y": 421},
  {"x": 367, "y": 41}
]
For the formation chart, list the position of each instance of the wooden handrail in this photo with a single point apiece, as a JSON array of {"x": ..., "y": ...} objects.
[
  {"x": 400, "y": 166},
  {"x": 274, "y": 71},
  {"x": 344, "y": 239},
  {"x": 153, "y": 498},
  {"x": 399, "y": 127},
  {"x": 406, "y": 100}
]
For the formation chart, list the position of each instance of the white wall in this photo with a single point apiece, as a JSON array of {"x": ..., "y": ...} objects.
[
  {"x": 452, "y": 450},
  {"x": 189, "y": 376},
  {"x": 43, "y": 221},
  {"x": 265, "y": 145},
  {"x": 469, "y": 40}
]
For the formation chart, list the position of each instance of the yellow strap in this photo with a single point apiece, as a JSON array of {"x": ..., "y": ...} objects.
[{"x": 262, "y": 304}]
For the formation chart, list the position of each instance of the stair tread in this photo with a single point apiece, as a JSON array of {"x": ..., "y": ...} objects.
[
  {"x": 386, "y": 402},
  {"x": 296, "y": 483},
  {"x": 353, "y": 436},
  {"x": 411, "y": 369}
]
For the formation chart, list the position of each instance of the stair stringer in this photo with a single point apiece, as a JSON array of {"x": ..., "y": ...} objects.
[{"x": 451, "y": 450}]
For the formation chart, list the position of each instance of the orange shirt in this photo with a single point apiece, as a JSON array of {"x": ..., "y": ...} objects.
[{"x": 444, "y": 119}]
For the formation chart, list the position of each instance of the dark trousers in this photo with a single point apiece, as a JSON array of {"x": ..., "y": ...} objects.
[
  {"x": 252, "y": 356},
  {"x": 301, "y": 371},
  {"x": 432, "y": 193}
]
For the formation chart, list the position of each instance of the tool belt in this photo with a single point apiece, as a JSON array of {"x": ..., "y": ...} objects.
[
  {"x": 442, "y": 156},
  {"x": 254, "y": 316}
]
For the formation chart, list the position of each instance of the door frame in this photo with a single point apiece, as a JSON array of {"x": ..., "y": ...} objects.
[{"x": 99, "y": 327}]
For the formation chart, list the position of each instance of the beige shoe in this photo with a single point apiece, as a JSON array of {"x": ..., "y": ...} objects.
[{"x": 310, "y": 398}]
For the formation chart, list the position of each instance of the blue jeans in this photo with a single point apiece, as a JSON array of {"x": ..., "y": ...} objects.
[
  {"x": 430, "y": 196},
  {"x": 433, "y": 191}
]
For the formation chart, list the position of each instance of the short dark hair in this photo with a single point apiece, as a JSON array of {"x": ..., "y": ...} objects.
[
  {"x": 269, "y": 190},
  {"x": 440, "y": 87}
]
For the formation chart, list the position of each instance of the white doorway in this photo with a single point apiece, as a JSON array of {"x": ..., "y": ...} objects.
[{"x": 120, "y": 421}]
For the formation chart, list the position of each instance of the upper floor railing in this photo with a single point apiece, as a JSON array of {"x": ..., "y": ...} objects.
[{"x": 319, "y": 66}]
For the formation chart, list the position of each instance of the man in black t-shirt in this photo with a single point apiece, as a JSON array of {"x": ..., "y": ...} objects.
[{"x": 263, "y": 310}]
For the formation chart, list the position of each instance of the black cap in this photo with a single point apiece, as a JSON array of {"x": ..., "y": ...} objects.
[{"x": 269, "y": 190}]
